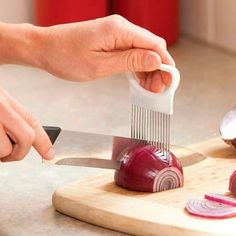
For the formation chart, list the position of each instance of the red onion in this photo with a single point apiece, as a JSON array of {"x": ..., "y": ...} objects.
[
  {"x": 145, "y": 168},
  {"x": 209, "y": 209},
  {"x": 216, "y": 197},
  {"x": 232, "y": 183}
]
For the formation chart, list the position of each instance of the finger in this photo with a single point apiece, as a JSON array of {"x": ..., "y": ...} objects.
[
  {"x": 153, "y": 42},
  {"x": 22, "y": 134},
  {"x": 5, "y": 144},
  {"x": 142, "y": 38},
  {"x": 148, "y": 82},
  {"x": 157, "y": 84},
  {"x": 41, "y": 142},
  {"x": 135, "y": 60},
  {"x": 142, "y": 78},
  {"x": 166, "y": 77},
  {"x": 142, "y": 82}
]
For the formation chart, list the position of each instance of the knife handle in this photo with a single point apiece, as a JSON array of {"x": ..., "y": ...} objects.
[{"x": 52, "y": 132}]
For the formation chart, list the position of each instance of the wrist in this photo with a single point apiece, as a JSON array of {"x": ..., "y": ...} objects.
[{"x": 20, "y": 44}]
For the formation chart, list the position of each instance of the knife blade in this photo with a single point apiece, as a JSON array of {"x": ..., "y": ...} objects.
[
  {"x": 86, "y": 149},
  {"x": 90, "y": 162},
  {"x": 98, "y": 150}
]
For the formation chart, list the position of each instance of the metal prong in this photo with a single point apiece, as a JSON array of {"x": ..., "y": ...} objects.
[{"x": 151, "y": 127}]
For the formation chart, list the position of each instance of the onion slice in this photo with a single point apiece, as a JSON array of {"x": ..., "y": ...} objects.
[
  {"x": 168, "y": 178},
  {"x": 232, "y": 183},
  {"x": 216, "y": 197},
  {"x": 209, "y": 209}
]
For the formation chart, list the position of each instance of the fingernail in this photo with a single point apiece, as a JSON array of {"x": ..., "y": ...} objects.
[
  {"x": 151, "y": 62},
  {"x": 50, "y": 154}
]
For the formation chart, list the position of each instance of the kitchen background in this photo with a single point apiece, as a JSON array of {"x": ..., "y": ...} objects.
[
  {"x": 209, "y": 20},
  {"x": 203, "y": 46}
]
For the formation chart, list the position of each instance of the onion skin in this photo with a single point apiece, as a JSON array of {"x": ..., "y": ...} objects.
[
  {"x": 231, "y": 143},
  {"x": 142, "y": 169},
  {"x": 228, "y": 128},
  {"x": 232, "y": 183},
  {"x": 209, "y": 209}
]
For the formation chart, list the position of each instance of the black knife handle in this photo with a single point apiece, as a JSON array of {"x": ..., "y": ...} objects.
[{"x": 52, "y": 132}]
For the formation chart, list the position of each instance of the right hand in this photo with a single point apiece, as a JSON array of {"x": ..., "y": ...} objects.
[
  {"x": 23, "y": 128},
  {"x": 98, "y": 48}
]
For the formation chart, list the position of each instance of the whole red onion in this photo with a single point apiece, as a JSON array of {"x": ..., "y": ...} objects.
[{"x": 145, "y": 168}]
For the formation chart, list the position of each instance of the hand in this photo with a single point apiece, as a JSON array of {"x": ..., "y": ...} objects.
[
  {"x": 24, "y": 129},
  {"x": 102, "y": 47}
]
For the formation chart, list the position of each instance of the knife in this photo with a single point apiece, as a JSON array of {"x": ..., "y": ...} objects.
[
  {"x": 86, "y": 149},
  {"x": 81, "y": 149},
  {"x": 98, "y": 150}
]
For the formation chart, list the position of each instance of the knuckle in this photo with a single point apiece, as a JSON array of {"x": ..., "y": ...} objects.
[
  {"x": 163, "y": 42},
  {"x": 33, "y": 121},
  {"x": 133, "y": 62},
  {"x": 5, "y": 151},
  {"x": 116, "y": 18},
  {"x": 113, "y": 22},
  {"x": 29, "y": 136}
]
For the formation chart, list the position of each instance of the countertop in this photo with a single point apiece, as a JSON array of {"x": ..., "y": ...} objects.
[{"x": 206, "y": 92}]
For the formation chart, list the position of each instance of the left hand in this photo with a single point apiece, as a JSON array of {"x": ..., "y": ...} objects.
[
  {"x": 93, "y": 49},
  {"x": 25, "y": 130}
]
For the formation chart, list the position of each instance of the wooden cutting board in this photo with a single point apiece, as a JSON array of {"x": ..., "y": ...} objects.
[{"x": 99, "y": 201}]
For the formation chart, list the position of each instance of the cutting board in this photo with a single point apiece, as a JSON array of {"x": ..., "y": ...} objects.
[{"x": 99, "y": 201}]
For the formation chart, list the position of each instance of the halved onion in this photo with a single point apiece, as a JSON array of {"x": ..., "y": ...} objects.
[
  {"x": 216, "y": 197},
  {"x": 209, "y": 209},
  {"x": 145, "y": 168}
]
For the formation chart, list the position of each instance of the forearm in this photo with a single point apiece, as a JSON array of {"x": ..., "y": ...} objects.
[{"x": 20, "y": 44}]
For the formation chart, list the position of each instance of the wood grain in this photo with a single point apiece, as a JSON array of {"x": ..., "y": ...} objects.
[{"x": 99, "y": 201}]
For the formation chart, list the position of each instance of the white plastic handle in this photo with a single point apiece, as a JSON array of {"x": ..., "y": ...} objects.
[
  {"x": 162, "y": 102},
  {"x": 175, "y": 76}
]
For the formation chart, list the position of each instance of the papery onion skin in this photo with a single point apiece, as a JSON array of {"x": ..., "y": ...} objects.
[
  {"x": 231, "y": 142},
  {"x": 142, "y": 169},
  {"x": 228, "y": 128},
  {"x": 209, "y": 209},
  {"x": 232, "y": 183}
]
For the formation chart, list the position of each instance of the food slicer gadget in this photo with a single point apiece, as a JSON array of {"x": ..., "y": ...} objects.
[{"x": 150, "y": 113}]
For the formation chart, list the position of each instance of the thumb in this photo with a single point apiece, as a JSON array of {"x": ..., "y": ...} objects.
[{"x": 139, "y": 60}]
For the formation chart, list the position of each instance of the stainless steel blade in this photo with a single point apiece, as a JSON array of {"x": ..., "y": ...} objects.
[
  {"x": 90, "y": 162},
  {"x": 192, "y": 159},
  {"x": 82, "y": 149},
  {"x": 70, "y": 143}
]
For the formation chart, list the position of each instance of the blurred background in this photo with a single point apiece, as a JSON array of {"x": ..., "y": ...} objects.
[
  {"x": 200, "y": 37},
  {"x": 207, "y": 20}
]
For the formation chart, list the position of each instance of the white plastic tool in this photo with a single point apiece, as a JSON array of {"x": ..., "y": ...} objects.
[
  {"x": 150, "y": 118},
  {"x": 161, "y": 102}
]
